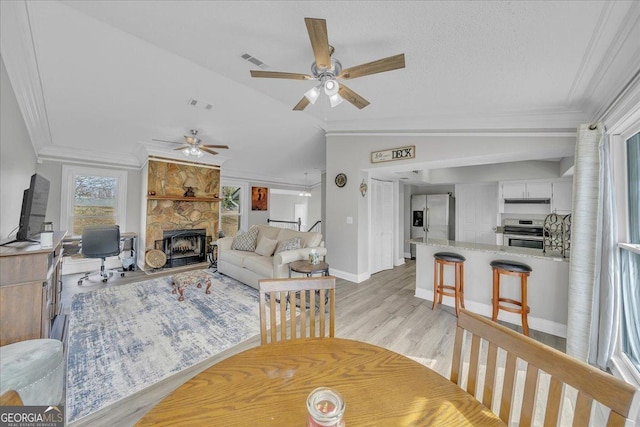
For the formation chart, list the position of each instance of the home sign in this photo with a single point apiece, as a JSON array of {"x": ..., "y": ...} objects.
[{"x": 400, "y": 153}]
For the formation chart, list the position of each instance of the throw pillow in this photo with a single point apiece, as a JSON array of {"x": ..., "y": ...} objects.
[
  {"x": 289, "y": 245},
  {"x": 266, "y": 246},
  {"x": 246, "y": 240}
]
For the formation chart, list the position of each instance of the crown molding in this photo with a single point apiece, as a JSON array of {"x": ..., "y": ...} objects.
[
  {"x": 18, "y": 54},
  {"x": 88, "y": 157}
]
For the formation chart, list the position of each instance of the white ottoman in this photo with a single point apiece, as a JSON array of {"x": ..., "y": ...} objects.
[{"x": 33, "y": 368}]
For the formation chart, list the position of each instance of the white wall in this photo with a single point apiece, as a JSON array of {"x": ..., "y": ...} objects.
[{"x": 17, "y": 158}]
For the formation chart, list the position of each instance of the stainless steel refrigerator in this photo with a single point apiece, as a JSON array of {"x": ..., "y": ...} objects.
[{"x": 432, "y": 216}]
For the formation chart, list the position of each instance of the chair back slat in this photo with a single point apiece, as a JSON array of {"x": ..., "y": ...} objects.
[
  {"x": 490, "y": 376},
  {"x": 552, "y": 411},
  {"x": 564, "y": 371},
  {"x": 582, "y": 413},
  {"x": 507, "y": 387},
  {"x": 529, "y": 396},
  {"x": 296, "y": 301},
  {"x": 473, "y": 365}
]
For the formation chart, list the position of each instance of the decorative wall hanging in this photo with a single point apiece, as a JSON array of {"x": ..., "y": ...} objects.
[
  {"x": 400, "y": 153},
  {"x": 259, "y": 198},
  {"x": 341, "y": 180},
  {"x": 363, "y": 188}
]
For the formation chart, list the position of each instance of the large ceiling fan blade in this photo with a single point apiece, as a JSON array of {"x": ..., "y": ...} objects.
[
  {"x": 180, "y": 148},
  {"x": 280, "y": 75},
  {"x": 352, "y": 97},
  {"x": 317, "y": 29},
  {"x": 208, "y": 151},
  {"x": 381, "y": 65},
  {"x": 302, "y": 104},
  {"x": 215, "y": 146}
]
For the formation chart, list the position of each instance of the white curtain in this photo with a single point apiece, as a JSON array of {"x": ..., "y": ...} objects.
[{"x": 594, "y": 298}]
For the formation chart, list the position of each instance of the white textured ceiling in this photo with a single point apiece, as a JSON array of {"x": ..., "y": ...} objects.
[{"x": 117, "y": 74}]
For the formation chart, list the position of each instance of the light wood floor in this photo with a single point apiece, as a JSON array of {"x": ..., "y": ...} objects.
[{"x": 382, "y": 311}]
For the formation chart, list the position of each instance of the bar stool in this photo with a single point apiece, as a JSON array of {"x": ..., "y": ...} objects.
[
  {"x": 511, "y": 268},
  {"x": 440, "y": 259}
]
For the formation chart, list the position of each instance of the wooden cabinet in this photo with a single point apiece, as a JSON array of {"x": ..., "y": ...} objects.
[
  {"x": 30, "y": 286},
  {"x": 528, "y": 190}
]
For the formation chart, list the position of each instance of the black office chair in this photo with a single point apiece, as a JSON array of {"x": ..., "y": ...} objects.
[{"x": 100, "y": 242}]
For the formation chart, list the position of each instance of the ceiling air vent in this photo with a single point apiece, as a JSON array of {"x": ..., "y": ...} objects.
[
  {"x": 200, "y": 104},
  {"x": 255, "y": 61}
]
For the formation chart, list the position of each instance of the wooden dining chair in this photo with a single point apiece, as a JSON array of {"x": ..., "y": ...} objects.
[
  {"x": 567, "y": 376},
  {"x": 10, "y": 398},
  {"x": 297, "y": 308}
]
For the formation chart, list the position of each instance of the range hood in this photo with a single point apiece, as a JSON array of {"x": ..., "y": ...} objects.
[{"x": 527, "y": 201}]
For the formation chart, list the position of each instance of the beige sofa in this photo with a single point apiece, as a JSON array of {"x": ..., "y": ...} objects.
[{"x": 249, "y": 266}]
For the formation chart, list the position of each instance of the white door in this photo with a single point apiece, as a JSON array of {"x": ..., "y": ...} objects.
[
  {"x": 476, "y": 213},
  {"x": 381, "y": 225}
]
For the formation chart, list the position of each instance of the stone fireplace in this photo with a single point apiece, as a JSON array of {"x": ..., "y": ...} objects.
[
  {"x": 183, "y": 247},
  {"x": 169, "y": 211}
]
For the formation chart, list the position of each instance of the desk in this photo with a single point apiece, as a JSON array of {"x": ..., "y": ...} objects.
[
  {"x": 269, "y": 385},
  {"x": 129, "y": 240}
]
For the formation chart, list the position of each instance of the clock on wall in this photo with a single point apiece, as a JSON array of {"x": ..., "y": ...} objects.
[{"x": 341, "y": 180}]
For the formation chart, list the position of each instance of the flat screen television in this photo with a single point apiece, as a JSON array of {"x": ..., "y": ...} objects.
[{"x": 34, "y": 209}]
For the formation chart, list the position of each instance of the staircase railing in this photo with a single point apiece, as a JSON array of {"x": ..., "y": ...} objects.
[
  {"x": 293, "y": 225},
  {"x": 315, "y": 227}
]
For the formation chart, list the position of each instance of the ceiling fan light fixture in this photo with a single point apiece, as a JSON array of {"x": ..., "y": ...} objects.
[
  {"x": 312, "y": 94},
  {"x": 331, "y": 87},
  {"x": 335, "y": 100}
]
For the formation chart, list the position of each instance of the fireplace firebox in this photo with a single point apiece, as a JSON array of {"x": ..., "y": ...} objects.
[{"x": 183, "y": 247}]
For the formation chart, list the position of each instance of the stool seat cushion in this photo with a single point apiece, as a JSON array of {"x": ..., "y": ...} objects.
[
  {"x": 33, "y": 368},
  {"x": 449, "y": 256},
  {"x": 189, "y": 278},
  {"x": 514, "y": 266}
]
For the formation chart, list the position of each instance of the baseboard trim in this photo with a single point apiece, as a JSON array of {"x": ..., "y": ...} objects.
[
  {"x": 536, "y": 323},
  {"x": 348, "y": 276}
]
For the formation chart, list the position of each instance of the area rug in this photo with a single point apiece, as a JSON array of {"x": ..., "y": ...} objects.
[{"x": 125, "y": 338}]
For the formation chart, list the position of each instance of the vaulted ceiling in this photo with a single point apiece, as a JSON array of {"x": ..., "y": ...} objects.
[{"x": 98, "y": 81}]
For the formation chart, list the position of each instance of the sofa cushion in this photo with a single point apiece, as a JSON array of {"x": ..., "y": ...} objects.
[
  {"x": 308, "y": 239},
  {"x": 266, "y": 246},
  {"x": 268, "y": 231},
  {"x": 261, "y": 265},
  {"x": 289, "y": 245},
  {"x": 234, "y": 257},
  {"x": 246, "y": 241}
]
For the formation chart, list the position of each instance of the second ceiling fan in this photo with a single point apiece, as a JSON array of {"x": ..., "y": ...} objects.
[{"x": 328, "y": 70}]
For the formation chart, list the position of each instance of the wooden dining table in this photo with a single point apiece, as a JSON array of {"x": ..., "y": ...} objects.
[{"x": 268, "y": 386}]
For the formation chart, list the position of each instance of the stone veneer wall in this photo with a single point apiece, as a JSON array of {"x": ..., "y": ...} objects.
[{"x": 166, "y": 179}]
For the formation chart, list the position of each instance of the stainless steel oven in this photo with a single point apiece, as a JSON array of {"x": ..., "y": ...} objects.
[{"x": 523, "y": 233}]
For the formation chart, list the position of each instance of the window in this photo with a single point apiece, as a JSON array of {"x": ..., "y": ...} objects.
[
  {"x": 233, "y": 207},
  {"x": 630, "y": 260},
  {"x": 626, "y": 158},
  {"x": 92, "y": 197}
]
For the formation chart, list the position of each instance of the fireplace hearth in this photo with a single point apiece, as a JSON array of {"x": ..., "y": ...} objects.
[{"x": 183, "y": 247}]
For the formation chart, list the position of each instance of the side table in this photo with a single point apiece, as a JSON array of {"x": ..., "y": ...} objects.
[{"x": 305, "y": 267}]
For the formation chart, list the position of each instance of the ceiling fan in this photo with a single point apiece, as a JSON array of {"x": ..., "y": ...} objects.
[
  {"x": 328, "y": 70},
  {"x": 194, "y": 145}
]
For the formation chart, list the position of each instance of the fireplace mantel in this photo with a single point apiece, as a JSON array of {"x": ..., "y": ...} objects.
[{"x": 185, "y": 199}]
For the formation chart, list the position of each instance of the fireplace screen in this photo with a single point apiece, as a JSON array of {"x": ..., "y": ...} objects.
[{"x": 183, "y": 247}]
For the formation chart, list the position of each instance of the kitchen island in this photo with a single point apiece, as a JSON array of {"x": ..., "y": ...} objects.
[{"x": 547, "y": 285}]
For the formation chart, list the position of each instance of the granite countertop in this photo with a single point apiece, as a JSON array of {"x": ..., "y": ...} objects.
[{"x": 481, "y": 247}]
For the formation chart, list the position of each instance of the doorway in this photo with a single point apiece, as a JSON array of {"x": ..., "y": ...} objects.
[{"x": 381, "y": 226}]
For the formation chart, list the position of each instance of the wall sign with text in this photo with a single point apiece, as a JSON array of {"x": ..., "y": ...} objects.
[{"x": 400, "y": 153}]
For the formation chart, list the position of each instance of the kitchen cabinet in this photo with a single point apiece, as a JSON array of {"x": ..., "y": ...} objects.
[
  {"x": 526, "y": 190},
  {"x": 562, "y": 198}
]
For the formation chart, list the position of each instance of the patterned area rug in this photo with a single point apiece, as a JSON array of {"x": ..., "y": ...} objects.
[{"x": 125, "y": 338}]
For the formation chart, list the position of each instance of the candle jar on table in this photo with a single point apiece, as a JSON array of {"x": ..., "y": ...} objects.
[{"x": 326, "y": 408}]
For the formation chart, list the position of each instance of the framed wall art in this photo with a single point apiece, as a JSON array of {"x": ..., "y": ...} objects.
[{"x": 259, "y": 198}]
